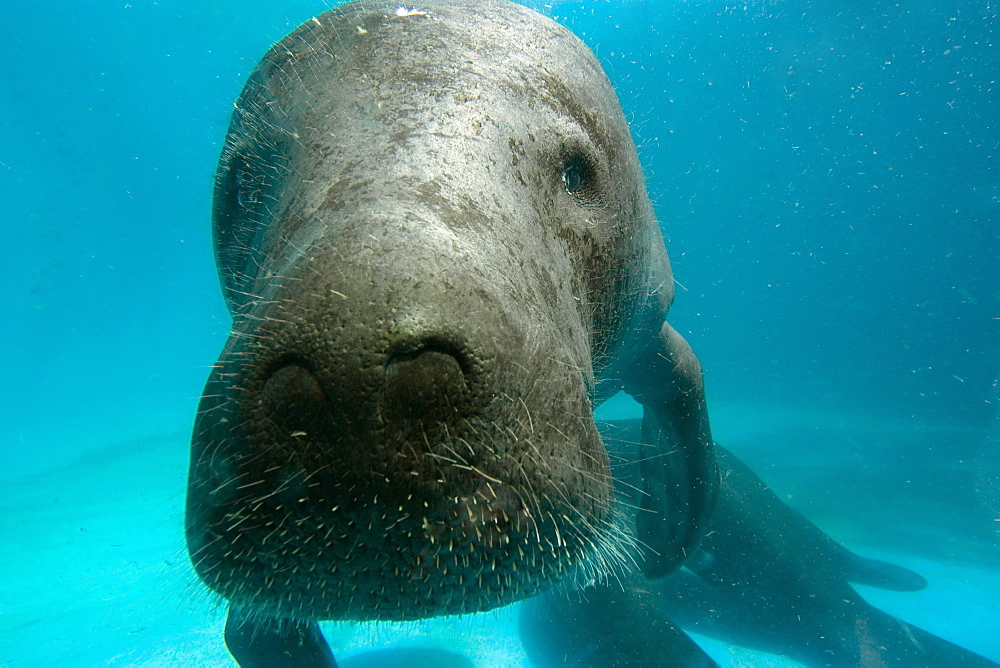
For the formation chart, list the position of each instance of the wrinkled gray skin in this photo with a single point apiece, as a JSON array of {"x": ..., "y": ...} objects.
[{"x": 434, "y": 238}]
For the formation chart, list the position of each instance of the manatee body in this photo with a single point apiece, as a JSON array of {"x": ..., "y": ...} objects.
[
  {"x": 433, "y": 236},
  {"x": 766, "y": 577}
]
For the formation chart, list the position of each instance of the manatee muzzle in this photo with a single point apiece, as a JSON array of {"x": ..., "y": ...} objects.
[{"x": 367, "y": 453}]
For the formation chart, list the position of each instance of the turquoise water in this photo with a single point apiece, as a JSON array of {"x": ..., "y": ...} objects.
[{"x": 827, "y": 183}]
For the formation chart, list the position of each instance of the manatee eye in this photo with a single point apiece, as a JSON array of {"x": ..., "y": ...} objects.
[
  {"x": 243, "y": 187},
  {"x": 240, "y": 183},
  {"x": 574, "y": 175}
]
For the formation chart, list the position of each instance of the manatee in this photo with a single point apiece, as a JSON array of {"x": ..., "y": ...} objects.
[
  {"x": 766, "y": 577},
  {"x": 433, "y": 236},
  {"x": 435, "y": 242}
]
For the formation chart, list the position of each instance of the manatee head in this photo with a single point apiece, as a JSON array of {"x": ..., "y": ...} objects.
[{"x": 433, "y": 236}]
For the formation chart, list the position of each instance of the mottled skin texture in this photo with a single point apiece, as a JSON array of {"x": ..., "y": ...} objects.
[{"x": 434, "y": 238}]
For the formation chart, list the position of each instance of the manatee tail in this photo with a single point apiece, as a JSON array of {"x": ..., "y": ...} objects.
[
  {"x": 744, "y": 483},
  {"x": 881, "y": 574},
  {"x": 894, "y": 639}
]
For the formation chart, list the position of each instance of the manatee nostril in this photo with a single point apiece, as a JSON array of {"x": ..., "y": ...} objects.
[
  {"x": 428, "y": 382},
  {"x": 294, "y": 399}
]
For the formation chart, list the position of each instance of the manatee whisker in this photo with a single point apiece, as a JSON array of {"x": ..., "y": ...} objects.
[
  {"x": 434, "y": 455},
  {"x": 475, "y": 470},
  {"x": 660, "y": 455}
]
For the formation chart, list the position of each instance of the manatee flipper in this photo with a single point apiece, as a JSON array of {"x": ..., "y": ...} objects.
[
  {"x": 758, "y": 495},
  {"x": 260, "y": 642},
  {"x": 934, "y": 652},
  {"x": 680, "y": 478},
  {"x": 609, "y": 625},
  {"x": 881, "y": 574},
  {"x": 865, "y": 637},
  {"x": 778, "y": 583}
]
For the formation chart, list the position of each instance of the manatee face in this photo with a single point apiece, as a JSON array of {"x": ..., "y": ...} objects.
[{"x": 434, "y": 238}]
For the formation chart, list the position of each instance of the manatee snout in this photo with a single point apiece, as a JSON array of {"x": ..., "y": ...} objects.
[
  {"x": 412, "y": 394},
  {"x": 379, "y": 443},
  {"x": 439, "y": 256},
  {"x": 428, "y": 383}
]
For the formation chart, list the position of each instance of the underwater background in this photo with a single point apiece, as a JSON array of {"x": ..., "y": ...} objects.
[{"x": 826, "y": 177}]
